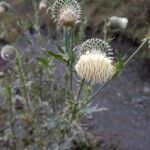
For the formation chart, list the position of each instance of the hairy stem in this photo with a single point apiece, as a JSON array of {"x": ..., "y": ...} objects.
[
  {"x": 136, "y": 51},
  {"x": 80, "y": 89},
  {"x": 41, "y": 84},
  {"x": 69, "y": 47},
  {"x": 105, "y": 30}
]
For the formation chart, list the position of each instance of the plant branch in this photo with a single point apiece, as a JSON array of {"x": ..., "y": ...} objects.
[
  {"x": 69, "y": 46},
  {"x": 80, "y": 89},
  {"x": 21, "y": 74},
  {"x": 136, "y": 51}
]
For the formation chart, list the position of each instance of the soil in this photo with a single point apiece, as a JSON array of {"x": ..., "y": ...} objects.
[{"x": 126, "y": 123}]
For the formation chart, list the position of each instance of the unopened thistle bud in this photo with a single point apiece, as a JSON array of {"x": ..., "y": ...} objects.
[
  {"x": 67, "y": 13},
  {"x": 43, "y": 5},
  {"x": 4, "y": 6},
  {"x": 95, "y": 62},
  {"x": 8, "y": 53},
  {"x": 118, "y": 22}
]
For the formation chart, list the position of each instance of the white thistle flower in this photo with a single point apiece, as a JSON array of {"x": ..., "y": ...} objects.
[
  {"x": 8, "y": 52},
  {"x": 4, "y": 6},
  {"x": 66, "y": 13},
  {"x": 43, "y": 5},
  {"x": 118, "y": 22},
  {"x": 95, "y": 62}
]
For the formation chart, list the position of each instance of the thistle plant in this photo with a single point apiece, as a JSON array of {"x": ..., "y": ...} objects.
[
  {"x": 66, "y": 13},
  {"x": 95, "y": 61},
  {"x": 43, "y": 112}
]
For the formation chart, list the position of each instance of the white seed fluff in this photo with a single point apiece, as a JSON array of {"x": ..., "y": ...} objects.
[{"x": 94, "y": 67}]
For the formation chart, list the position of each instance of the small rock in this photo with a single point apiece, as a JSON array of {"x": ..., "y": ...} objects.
[
  {"x": 138, "y": 101},
  {"x": 146, "y": 90},
  {"x": 90, "y": 117}
]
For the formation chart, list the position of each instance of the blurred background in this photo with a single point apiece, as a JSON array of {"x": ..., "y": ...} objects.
[{"x": 126, "y": 125}]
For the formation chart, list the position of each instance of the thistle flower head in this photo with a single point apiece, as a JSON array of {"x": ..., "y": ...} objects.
[
  {"x": 118, "y": 22},
  {"x": 4, "y": 6},
  {"x": 43, "y": 5},
  {"x": 95, "y": 62},
  {"x": 8, "y": 52},
  {"x": 67, "y": 13}
]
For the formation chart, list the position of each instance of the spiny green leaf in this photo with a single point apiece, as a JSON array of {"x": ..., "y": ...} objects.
[
  {"x": 58, "y": 57},
  {"x": 44, "y": 61},
  {"x": 119, "y": 65}
]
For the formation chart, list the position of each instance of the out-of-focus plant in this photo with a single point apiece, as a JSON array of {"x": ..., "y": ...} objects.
[{"x": 41, "y": 111}]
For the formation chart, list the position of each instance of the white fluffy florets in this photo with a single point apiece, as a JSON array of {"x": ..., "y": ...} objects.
[
  {"x": 95, "y": 61},
  {"x": 67, "y": 13}
]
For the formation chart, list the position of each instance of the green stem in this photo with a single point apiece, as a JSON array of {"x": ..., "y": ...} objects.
[
  {"x": 21, "y": 74},
  {"x": 74, "y": 112},
  {"x": 71, "y": 59},
  {"x": 69, "y": 47},
  {"x": 136, "y": 51},
  {"x": 95, "y": 94},
  {"x": 41, "y": 84},
  {"x": 7, "y": 81},
  {"x": 80, "y": 89},
  {"x": 105, "y": 30},
  {"x": 36, "y": 13}
]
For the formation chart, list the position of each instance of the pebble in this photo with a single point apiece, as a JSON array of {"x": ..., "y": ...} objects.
[{"x": 146, "y": 90}]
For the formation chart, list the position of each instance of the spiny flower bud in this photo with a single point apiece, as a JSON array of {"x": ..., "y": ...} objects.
[
  {"x": 67, "y": 13},
  {"x": 8, "y": 52},
  {"x": 95, "y": 61},
  {"x": 118, "y": 22},
  {"x": 4, "y": 6},
  {"x": 43, "y": 5}
]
